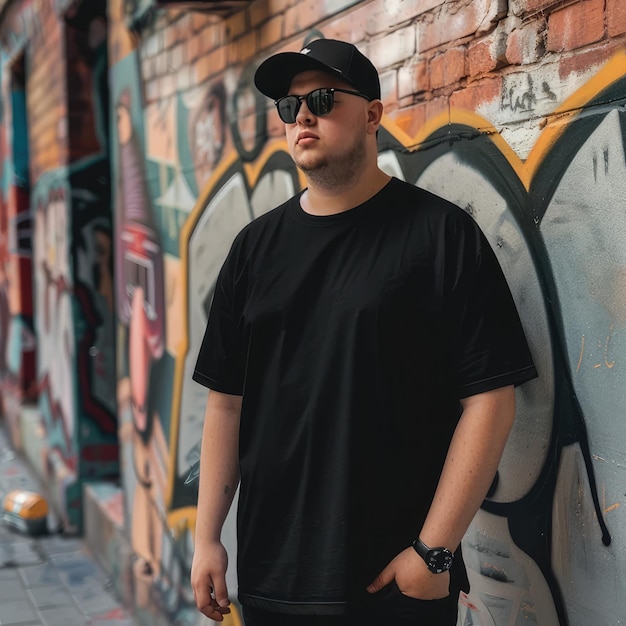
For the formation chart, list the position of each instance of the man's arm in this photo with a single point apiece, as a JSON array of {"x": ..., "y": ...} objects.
[
  {"x": 469, "y": 469},
  {"x": 219, "y": 477}
]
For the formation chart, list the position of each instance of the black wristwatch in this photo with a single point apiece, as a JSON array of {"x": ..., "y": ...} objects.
[{"x": 438, "y": 560}]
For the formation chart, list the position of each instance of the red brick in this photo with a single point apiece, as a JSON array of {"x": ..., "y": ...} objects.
[
  {"x": 383, "y": 15},
  {"x": 436, "y": 72},
  {"x": 302, "y": 16},
  {"x": 413, "y": 79},
  {"x": 393, "y": 48},
  {"x": 447, "y": 68},
  {"x": 485, "y": 90},
  {"x": 172, "y": 36},
  {"x": 210, "y": 65},
  {"x": 527, "y": 44},
  {"x": 194, "y": 48},
  {"x": 582, "y": 61},
  {"x": 211, "y": 37},
  {"x": 353, "y": 25},
  {"x": 539, "y": 5},
  {"x": 436, "y": 107},
  {"x": 576, "y": 25},
  {"x": 271, "y": 32},
  {"x": 616, "y": 17},
  {"x": 260, "y": 11},
  {"x": 446, "y": 25},
  {"x": 236, "y": 25},
  {"x": 242, "y": 49},
  {"x": 455, "y": 68},
  {"x": 479, "y": 58},
  {"x": 198, "y": 20}
]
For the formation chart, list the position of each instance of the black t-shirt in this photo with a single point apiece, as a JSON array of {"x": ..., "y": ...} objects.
[{"x": 352, "y": 338}]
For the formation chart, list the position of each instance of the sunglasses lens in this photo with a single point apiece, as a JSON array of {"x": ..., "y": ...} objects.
[
  {"x": 288, "y": 108},
  {"x": 320, "y": 101}
]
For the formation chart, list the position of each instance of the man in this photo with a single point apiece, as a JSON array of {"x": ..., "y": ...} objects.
[{"x": 361, "y": 352}]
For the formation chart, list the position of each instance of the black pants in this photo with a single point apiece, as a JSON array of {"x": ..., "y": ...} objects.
[{"x": 389, "y": 607}]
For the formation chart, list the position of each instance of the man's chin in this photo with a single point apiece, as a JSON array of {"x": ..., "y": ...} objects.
[{"x": 310, "y": 166}]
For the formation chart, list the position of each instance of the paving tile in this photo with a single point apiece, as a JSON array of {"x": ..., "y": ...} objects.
[
  {"x": 12, "y": 536},
  {"x": 18, "y": 612},
  {"x": 78, "y": 565},
  {"x": 117, "y": 614},
  {"x": 65, "y": 616},
  {"x": 39, "y": 575},
  {"x": 59, "y": 544},
  {"x": 5, "y": 531},
  {"x": 14, "y": 553},
  {"x": 50, "y": 597},
  {"x": 93, "y": 599},
  {"x": 115, "y": 617},
  {"x": 12, "y": 589},
  {"x": 9, "y": 573},
  {"x": 50, "y": 580}
]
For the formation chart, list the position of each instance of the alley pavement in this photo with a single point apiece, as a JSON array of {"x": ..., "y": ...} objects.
[{"x": 51, "y": 579}]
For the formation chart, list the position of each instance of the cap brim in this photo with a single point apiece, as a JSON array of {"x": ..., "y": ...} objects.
[{"x": 273, "y": 77}]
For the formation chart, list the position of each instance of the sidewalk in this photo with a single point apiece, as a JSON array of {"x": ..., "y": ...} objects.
[{"x": 50, "y": 580}]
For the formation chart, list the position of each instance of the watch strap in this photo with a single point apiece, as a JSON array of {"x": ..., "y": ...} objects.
[
  {"x": 438, "y": 560},
  {"x": 421, "y": 548}
]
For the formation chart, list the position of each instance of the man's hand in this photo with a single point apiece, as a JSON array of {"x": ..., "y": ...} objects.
[
  {"x": 208, "y": 580},
  {"x": 413, "y": 578}
]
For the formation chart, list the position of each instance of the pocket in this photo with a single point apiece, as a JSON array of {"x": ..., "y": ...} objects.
[
  {"x": 395, "y": 591},
  {"x": 401, "y": 609}
]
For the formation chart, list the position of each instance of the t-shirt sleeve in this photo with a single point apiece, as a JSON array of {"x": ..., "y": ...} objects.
[
  {"x": 488, "y": 341},
  {"x": 221, "y": 363}
]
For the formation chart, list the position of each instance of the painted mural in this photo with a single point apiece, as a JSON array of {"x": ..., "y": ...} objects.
[
  {"x": 17, "y": 344},
  {"x": 56, "y": 292},
  {"x": 191, "y": 169}
]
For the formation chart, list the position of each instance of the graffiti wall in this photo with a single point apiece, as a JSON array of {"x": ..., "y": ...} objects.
[
  {"x": 17, "y": 346},
  {"x": 58, "y": 342},
  {"x": 558, "y": 493},
  {"x": 537, "y": 157}
]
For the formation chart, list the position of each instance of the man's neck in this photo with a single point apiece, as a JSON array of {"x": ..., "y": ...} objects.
[{"x": 318, "y": 200}]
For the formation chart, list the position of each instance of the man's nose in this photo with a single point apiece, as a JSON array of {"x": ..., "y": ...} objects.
[{"x": 304, "y": 115}]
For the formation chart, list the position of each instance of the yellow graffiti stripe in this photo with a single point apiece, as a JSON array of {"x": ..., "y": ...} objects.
[
  {"x": 181, "y": 352},
  {"x": 559, "y": 120},
  {"x": 252, "y": 172},
  {"x": 233, "y": 618},
  {"x": 456, "y": 116},
  {"x": 182, "y": 519}
]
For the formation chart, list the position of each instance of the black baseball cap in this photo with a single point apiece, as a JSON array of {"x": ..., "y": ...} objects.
[{"x": 273, "y": 77}]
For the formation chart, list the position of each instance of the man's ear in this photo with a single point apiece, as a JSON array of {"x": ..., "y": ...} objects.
[{"x": 374, "y": 115}]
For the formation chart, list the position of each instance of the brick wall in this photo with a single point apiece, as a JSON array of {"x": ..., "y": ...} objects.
[
  {"x": 428, "y": 53},
  {"x": 33, "y": 29}
]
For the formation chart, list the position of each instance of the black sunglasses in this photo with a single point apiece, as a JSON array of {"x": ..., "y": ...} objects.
[{"x": 320, "y": 102}]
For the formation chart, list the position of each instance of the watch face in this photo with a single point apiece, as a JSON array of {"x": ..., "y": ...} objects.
[{"x": 439, "y": 560}]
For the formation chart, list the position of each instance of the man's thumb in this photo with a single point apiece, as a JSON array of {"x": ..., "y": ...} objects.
[
  {"x": 221, "y": 593},
  {"x": 382, "y": 580}
]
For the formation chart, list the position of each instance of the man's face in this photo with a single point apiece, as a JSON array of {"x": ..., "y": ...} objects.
[{"x": 326, "y": 146}]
